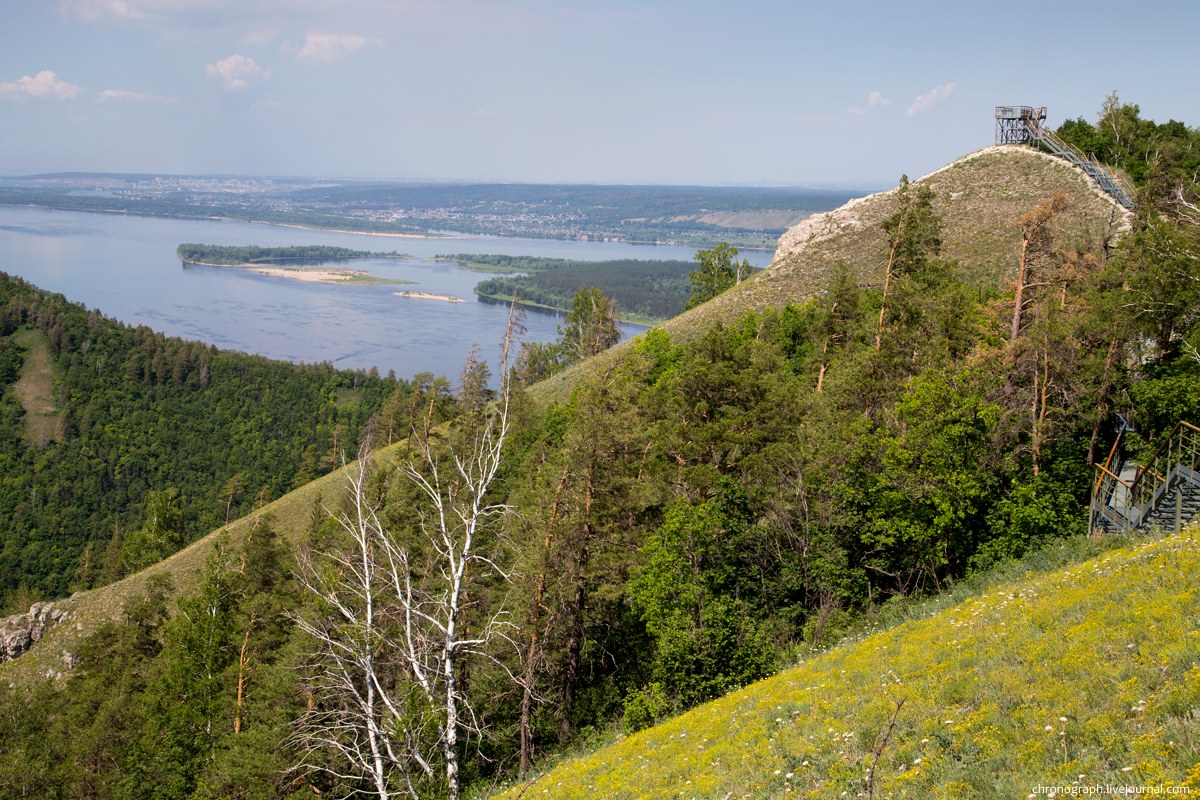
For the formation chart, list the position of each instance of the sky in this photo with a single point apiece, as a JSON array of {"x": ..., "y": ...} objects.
[{"x": 692, "y": 92}]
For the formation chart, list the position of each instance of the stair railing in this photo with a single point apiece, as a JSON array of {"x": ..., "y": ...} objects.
[
  {"x": 1126, "y": 505},
  {"x": 1181, "y": 448},
  {"x": 1110, "y": 493},
  {"x": 1112, "y": 183}
]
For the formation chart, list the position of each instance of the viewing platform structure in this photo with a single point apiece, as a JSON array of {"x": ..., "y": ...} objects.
[{"x": 1027, "y": 125}]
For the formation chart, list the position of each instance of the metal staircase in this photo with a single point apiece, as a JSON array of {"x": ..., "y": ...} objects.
[
  {"x": 1164, "y": 492},
  {"x": 1024, "y": 124}
]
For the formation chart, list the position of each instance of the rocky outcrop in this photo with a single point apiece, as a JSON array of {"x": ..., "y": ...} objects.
[{"x": 20, "y": 631}]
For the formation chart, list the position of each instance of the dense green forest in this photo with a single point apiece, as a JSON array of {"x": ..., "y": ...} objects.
[
  {"x": 144, "y": 419},
  {"x": 696, "y": 514},
  {"x": 1162, "y": 158},
  {"x": 252, "y": 254},
  {"x": 645, "y": 291}
]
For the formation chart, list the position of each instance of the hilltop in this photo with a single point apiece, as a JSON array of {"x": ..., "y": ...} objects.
[{"x": 980, "y": 197}]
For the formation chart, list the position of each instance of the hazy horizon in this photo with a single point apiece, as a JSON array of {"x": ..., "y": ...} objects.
[
  {"x": 831, "y": 187},
  {"x": 764, "y": 93}
]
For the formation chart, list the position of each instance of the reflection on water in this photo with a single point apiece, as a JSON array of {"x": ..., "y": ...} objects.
[{"x": 127, "y": 268}]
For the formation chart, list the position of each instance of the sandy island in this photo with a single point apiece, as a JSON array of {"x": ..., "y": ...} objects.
[
  {"x": 311, "y": 275},
  {"x": 429, "y": 296},
  {"x": 306, "y": 274}
]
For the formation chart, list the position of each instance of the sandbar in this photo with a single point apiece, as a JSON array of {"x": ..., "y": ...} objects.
[
  {"x": 306, "y": 274},
  {"x": 311, "y": 275},
  {"x": 429, "y": 296}
]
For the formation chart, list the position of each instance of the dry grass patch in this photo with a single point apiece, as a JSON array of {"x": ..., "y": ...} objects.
[
  {"x": 35, "y": 389},
  {"x": 980, "y": 197}
]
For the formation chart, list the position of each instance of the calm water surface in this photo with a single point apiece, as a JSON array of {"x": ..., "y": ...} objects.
[{"x": 127, "y": 268}]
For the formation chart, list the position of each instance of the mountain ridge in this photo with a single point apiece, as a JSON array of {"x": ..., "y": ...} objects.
[{"x": 1006, "y": 179}]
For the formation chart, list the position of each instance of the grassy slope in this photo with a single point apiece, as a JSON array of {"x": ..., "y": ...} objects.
[
  {"x": 1080, "y": 676},
  {"x": 980, "y": 198},
  {"x": 35, "y": 388}
]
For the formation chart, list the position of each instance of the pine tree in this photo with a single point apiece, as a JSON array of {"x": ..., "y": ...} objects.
[
  {"x": 914, "y": 237},
  {"x": 718, "y": 271}
]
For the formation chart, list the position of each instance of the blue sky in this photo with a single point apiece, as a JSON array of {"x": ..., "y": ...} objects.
[{"x": 658, "y": 91}]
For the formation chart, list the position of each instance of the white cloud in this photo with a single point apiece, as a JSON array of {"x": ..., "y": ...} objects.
[
  {"x": 43, "y": 86},
  {"x": 236, "y": 71},
  {"x": 89, "y": 10},
  {"x": 329, "y": 46},
  {"x": 876, "y": 99},
  {"x": 930, "y": 99}
]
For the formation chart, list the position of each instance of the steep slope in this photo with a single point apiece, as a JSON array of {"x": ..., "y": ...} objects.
[
  {"x": 980, "y": 198},
  {"x": 1080, "y": 677}
]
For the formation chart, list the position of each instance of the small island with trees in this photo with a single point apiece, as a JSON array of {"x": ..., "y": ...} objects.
[
  {"x": 286, "y": 262},
  {"x": 648, "y": 292}
]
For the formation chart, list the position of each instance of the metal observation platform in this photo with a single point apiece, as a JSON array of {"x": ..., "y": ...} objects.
[{"x": 1027, "y": 125}]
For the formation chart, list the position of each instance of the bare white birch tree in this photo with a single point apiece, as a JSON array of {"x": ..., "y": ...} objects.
[{"x": 389, "y": 712}]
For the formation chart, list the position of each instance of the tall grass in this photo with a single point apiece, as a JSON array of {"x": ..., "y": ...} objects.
[{"x": 1084, "y": 676}]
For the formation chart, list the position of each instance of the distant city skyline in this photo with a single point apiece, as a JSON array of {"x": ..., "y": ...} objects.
[{"x": 659, "y": 91}]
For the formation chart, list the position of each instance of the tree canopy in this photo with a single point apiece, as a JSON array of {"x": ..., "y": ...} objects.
[{"x": 718, "y": 271}]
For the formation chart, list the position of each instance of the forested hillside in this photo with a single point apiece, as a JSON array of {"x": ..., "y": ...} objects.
[
  {"x": 153, "y": 441},
  {"x": 673, "y": 520}
]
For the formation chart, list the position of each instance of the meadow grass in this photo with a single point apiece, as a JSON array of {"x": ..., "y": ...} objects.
[
  {"x": 1083, "y": 676},
  {"x": 35, "y": 388}
]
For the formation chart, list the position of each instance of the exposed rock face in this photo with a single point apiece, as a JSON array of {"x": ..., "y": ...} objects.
[{"x": 20, "y": 631}]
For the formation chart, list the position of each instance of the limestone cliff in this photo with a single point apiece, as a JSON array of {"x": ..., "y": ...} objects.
[{"x": 20, "y": 631}]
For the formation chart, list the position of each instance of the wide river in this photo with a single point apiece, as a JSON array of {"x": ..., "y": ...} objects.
[{"x": 126, "y": 267}]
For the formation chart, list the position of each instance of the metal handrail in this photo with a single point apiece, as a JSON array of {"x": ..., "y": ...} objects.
[
  {"x": 1108, "y": 461},
  {"x": 1163, "y": 469},
  {"x": 1184, "y": 439},
  {"x": 1119, "y": 188},
  {"x": 1106, "y": 471}
]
